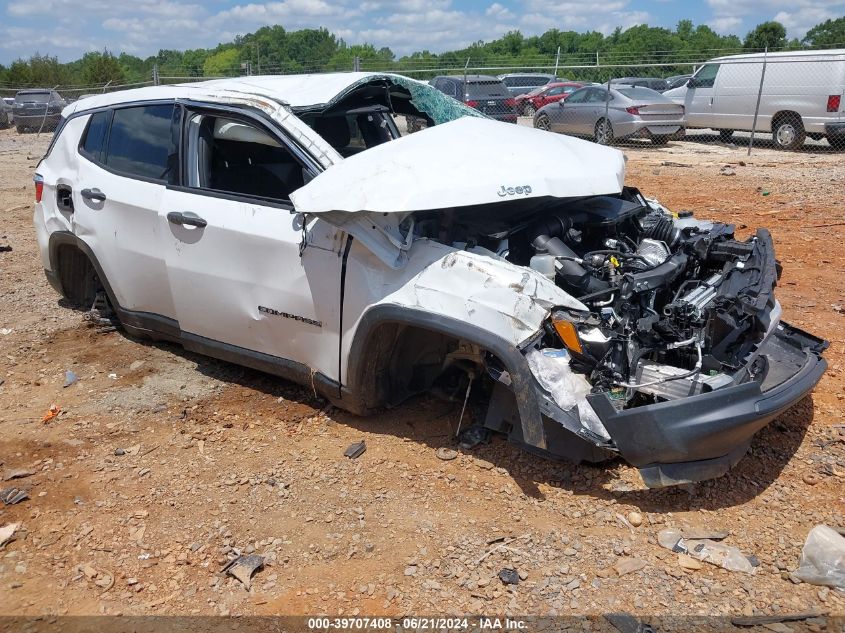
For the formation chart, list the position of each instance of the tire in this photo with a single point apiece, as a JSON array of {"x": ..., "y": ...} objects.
[
  {"x": 529, "y": 109},
  {"x": 20, "y": 128},
  {"x": 542, "y": 123},
  {"x": 4, "y": 121},
  {"x": 603, "y": 132},
  {"x": 659, "y": 139},
  {"x": 725, "y": 135},
  {"x": 788, "y": 132}
]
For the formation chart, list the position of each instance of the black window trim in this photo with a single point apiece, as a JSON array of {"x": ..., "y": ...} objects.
[
  {"x": 112, "y": 108},
  {"x": 252, "y": 116}
]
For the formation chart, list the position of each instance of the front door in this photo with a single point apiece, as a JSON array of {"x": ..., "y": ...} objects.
[
  {"x": 242, "y": 283},
  {"x": 698, "y": 102}
]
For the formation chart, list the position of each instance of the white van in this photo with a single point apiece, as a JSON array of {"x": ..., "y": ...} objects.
[{"x": 803, "y": 95}]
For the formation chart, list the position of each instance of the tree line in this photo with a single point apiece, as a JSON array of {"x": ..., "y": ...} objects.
[{"x": 272, "y": 49}]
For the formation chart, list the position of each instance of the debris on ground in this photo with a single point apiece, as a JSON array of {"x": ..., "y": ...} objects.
[
  {"x": 823, "y": 558},
  {"x": 626, "y": 623},
  {"x": 5, "y": 248},
  {"x": 5, "y": 331},
  {"x": 699, "y": 533},
  {"x": 354, "y": 451},
  {"x": 51, "y": 413},
  {"x": 446, "y": 454},
  {"x": 18, "y": 473},
  {"x": 635, "y": 519},
  {"x": 473, "y": 436},
  {"x": 727, "y": 170},
  {"x": 10, "y": 496},
  {"x": 7, "y": 532},
  {"x": 707, "y": 550},
  {"x": 763, "y": 620},
  {"x": 629, "y": 566},
  {"x": 688, "y": 562},
  {"x": 70, "y": 378},
  {"x": 509, "y": 576},
  {"x": 243, "y": 567}
]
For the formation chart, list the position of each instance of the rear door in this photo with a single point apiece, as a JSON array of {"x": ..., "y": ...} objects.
[
  {"x": 128, "y": 156},
  {"x": 250, "y": 278}
]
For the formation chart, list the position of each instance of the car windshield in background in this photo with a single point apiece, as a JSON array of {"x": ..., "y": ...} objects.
[
  {"x": 33, "y": 97},
  {"x": 639, "y": 93}
]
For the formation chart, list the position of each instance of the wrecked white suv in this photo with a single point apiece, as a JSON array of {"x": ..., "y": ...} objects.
[{"x": 281, "y": 223}]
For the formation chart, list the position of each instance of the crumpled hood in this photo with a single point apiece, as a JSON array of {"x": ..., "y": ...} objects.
[{"x": 469, "y": 161}]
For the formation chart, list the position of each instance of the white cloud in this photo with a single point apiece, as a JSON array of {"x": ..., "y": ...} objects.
[
  {"x": 498, "y": 12},
  {"x": 797, "y": 16}
]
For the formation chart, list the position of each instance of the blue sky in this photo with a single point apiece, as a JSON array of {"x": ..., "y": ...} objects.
[{"x": 68, "y": 28}]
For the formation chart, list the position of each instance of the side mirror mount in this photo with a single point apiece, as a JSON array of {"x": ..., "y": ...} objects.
[
  {"x": 692, "y": 83},
  {"x": 560, "y": 103}
]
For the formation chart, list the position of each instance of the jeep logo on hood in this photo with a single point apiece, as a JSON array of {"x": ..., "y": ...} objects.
[{"x": 514, "y": 191}]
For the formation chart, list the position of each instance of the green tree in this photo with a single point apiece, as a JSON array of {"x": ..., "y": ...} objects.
[
  {"x": 101, "y": 68},
  {"x": 771, "y": 35},
  {"x": 225, "y": 62},
  {"x": 830, "y": 33}
]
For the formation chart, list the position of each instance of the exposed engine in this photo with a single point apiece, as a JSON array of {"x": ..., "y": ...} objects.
[{"x": 676, "y": 306}]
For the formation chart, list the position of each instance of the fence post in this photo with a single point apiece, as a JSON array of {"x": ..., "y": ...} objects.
[
  {"x": 356, "y": 64},
  {"x": 464, "y": 86},
  {"x": 759, "y": 96},
  {"x": 155, "y": 75},
  {"x": 557, "y": 61}
]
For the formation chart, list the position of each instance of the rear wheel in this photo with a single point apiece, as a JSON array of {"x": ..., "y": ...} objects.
[
  {"x": 603, "y": 134},
  {"x": 788, "y": 132},
  {"x": 542, "y": 123},
  {"x": 725, "y": 135},
  {"x": 20, "y": 128}
]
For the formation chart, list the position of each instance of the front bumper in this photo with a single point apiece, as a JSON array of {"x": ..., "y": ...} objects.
[{"x": 701, "y": 437}]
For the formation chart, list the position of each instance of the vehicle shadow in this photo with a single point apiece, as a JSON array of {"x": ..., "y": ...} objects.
[
  {"x": 433, "y": 422},
  {"x": 763, "y": 141}
]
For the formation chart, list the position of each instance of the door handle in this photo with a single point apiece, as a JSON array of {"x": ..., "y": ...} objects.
[
  {"x": 93, "y": 194},
  {"x": 186, "y": 219}
]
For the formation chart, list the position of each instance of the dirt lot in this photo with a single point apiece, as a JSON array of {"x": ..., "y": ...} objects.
[{"x": 219, "y": 459}]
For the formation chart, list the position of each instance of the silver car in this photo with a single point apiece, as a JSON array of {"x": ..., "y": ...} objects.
[{"x": 629, "y": 112}]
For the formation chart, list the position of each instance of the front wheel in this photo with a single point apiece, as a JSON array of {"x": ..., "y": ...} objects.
[
  {"x": 603, "y": 133},
  {"x": 529, "y": 109},
  {"x": 789, "y": 133},
  {"x": 542, "y": 123}
]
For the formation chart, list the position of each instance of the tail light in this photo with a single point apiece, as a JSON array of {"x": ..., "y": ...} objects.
[
  {"x": 833, "y": 103},
  {"x": 632, "y": 110},
  {"x": 39, "y": 186},
  {"x": 471, "y": 103},
  {"x": 510, "y": 103}
]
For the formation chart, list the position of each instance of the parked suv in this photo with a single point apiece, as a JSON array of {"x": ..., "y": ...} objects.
[
  {"x": 37, "y": 109},
  {"x": 485, "y": 93},
  {"x": 280, "y": 223}
]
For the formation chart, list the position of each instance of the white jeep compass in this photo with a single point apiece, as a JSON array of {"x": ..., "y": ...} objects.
[{"x": 282, "y": 223}]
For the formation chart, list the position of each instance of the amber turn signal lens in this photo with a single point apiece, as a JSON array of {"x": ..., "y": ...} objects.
[{"x": 568, "y": 334}]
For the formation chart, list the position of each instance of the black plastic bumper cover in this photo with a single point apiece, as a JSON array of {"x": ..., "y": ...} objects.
[{"x": 702, "y": 437}]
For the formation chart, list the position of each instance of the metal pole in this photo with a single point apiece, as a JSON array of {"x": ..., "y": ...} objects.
[
  {"x": 759, "y": 96},
  {"x": 464, "y": 87},
  {"x": 106, "y": 86},
  {"x": 557, "y": 60},
  {"x": 258, "y": 53},
  {"x": 155, "y": 74},
  {"x": 607, "y": 107}
]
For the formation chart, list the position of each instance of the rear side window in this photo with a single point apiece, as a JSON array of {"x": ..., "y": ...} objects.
[
  {"x": 143, "y": 142},
  {"x": 486, "y": 88},
  {"x": 94, "y": 140}
]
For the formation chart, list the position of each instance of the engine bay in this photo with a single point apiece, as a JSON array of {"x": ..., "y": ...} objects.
[{"x": 675, "y": 307}]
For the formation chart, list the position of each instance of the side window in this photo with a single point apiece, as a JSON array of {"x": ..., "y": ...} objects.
[
  {"x": 579, "y": 96},
  {"x": 143, "y": 141},
  {"x": 238, "y": 157},
  {"x": 94, "y": 140},
  {"x": 706, "y": 77},
  {"x": 597, "y": 95},
  {"x": 554, "y": 92},
  {"x": 450, "y": 88}
]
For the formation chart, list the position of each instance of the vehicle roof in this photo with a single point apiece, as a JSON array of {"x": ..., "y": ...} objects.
[
  {"x": 525, "y": 75},
  {"x": 295, "y": 90},
  {"x": 815, "y": 53},
  {"x": 554, "y": 84},
  {"x": 34, "y": 91}
]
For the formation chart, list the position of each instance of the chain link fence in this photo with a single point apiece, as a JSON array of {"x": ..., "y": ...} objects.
[{"x": 792, "y": 101}]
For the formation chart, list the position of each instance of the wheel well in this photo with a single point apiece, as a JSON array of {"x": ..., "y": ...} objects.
[
  {"x": 784, "y": 115},
  {"x": 77, "y": 275},
  {"x": 402, "y": 360}
]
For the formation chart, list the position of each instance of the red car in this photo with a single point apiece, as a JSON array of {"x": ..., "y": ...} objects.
[{"x": 529, "y": 103}]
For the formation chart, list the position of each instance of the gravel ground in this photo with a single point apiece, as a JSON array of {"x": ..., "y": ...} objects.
[{"x": 218, "y": 460}]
